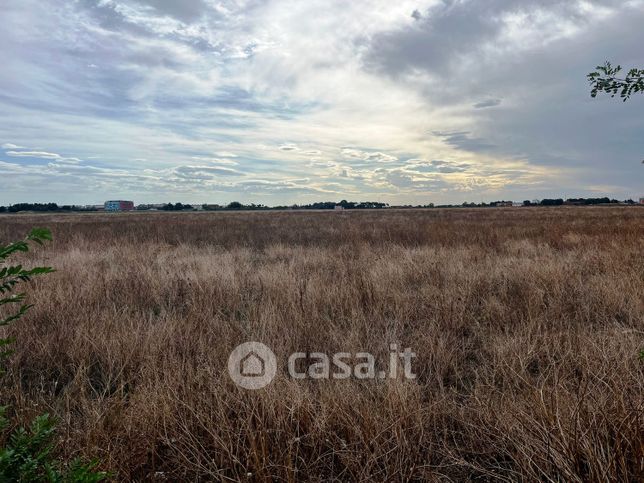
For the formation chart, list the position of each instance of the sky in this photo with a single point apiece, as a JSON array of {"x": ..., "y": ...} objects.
[{"x": 280, "y": 102}]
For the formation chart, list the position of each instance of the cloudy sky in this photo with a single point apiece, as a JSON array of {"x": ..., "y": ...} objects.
[{"x": 275, "y": 101}]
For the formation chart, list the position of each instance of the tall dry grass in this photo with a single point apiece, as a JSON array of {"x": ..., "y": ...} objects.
[{"x": 527, "y": 324}]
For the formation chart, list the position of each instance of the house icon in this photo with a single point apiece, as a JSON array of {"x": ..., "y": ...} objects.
[{"x": 252, "y": 365}]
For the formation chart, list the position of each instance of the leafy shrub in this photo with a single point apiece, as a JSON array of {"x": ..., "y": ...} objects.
[
  {"x": 26, "y": 454},
  {"x": 12, "y": 275}
]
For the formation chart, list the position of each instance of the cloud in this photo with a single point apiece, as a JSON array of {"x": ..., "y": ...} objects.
[
  {"x": 205, "y": 172},
  {"x": 12, "y": 168},
  {"x": 216, "y": 161},
  {"x": 436, "y": 166},
  {"x": 184, "y": 10},
  {"x": 399, "y": 179},
  {"x": 157, "y": 99},
  {"x": 33, "y": 154},
  {"x": 487, "y": 103},
  {"x": 43, "y": 155},
  {"x": 370, "y": 156},
  {"x": 452, "y": 31},
  {"x": 464, "y": 141}
]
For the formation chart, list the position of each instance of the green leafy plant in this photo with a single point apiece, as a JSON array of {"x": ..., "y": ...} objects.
[
  {"x": 26, "y": 454},
  {"x": 12, "y": 275},
  {"x": 605, "y": 79}
]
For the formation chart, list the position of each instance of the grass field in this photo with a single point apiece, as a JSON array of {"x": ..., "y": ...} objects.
[{"x": 527, "y": 323}]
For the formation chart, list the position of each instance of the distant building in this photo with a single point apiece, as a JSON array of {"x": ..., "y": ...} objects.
[
  {"x": 149, "y": 207},
  {"x": 119, "y": 205},
  {"x": 641, "y": 201},
  {"x": 504, "y": 203},
  {"x": 339, "y": 208}
]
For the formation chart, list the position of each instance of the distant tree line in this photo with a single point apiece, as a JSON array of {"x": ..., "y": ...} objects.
[
  {"x": 322, "y": 205},
  {"x": 235, "y": 205},
  {"x": 544, "y": 202},
  {"x": 576, "y": 201},
  {"x": 31, "y": 207},
  {"x": 347, "y": 205},
  {"x": 41, "y": 207},
  {"x": 468, "y": 204},
  {"x": 176, "y": 207}
]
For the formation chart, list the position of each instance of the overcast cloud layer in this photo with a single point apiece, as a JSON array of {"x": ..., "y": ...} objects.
[{"x": 277, "y": 101}]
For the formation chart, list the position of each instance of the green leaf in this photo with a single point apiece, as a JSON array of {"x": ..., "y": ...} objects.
[
  {"x": 22, "y": 311},
  {"x": 17, "y": 298},
  {"x": 39, "y": 235}
]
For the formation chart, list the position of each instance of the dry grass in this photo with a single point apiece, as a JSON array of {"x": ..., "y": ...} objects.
[{"x": 527, "y": 324}]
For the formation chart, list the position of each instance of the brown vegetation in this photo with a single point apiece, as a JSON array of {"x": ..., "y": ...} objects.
[{"x": 527, "y": 324}]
